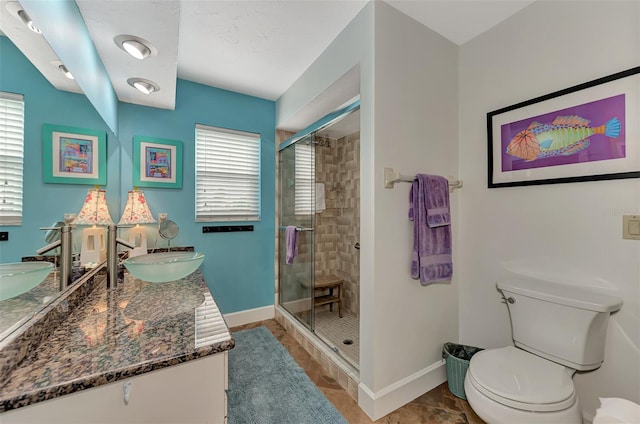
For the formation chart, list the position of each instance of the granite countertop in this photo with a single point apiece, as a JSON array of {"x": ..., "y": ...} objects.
[
  {"x": 15, "y": 310},
  {"x": 119, "y": 333}
]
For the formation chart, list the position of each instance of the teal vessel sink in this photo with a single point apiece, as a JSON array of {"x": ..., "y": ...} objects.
[
  {"x": 164, "y": 267},
  {"x": 19, "y": 277}
]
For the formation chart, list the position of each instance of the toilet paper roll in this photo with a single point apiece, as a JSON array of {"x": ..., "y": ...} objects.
[{"x": 617, "y": 411}]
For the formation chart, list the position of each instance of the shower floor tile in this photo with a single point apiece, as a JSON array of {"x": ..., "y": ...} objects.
[{"x": 334, "y": 330}]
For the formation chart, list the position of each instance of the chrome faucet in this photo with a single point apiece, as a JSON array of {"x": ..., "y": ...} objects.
[
  {"x": 65, "y": 253},
  {"x": 112, "y": 255}
]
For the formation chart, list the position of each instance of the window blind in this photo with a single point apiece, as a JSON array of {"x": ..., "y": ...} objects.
[
  {"x": 305, "y": 171},
  {"x": 11, "y": 157},
  {"x": 227, "y": 175}
]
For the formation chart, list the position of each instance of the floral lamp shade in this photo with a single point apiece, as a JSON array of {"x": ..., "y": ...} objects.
[
  {"x": 94, "y": 210},
  {"x": 136, "y": 211}
]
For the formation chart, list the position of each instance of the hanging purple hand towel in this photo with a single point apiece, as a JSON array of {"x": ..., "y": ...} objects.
[
  {"x": 291, "y": 239},
  {"x": 431, "y": 216}
]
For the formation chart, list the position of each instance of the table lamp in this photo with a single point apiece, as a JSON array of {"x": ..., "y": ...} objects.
[
  {"x": 136, "y": 211},
  {"x": 94, "y": 212}
]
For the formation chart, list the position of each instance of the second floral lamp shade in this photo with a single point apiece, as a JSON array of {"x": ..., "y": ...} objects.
[
  {"x": 94, "y": 212},
  {"x": 136, "y": 211}
]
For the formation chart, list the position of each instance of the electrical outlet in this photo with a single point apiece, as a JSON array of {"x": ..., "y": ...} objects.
[
  {"x": 4, "y": 235},
  {"x": 631, "y": 227}
]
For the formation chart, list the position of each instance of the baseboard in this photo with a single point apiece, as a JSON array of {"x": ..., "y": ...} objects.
[
  {"x": 250, "y": 315},
  {"x": 377, "y": 405}
]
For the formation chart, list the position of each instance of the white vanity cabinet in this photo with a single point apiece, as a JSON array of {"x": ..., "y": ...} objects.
[{"x": 190, "y": 392}]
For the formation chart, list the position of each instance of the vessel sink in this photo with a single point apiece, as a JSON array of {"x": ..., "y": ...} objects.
[
  {"x": 17, "y": 278},
  {"x": 163, "y": 267}
]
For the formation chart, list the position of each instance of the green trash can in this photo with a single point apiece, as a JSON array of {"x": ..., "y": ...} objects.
[{"x": 457, "y": 359}]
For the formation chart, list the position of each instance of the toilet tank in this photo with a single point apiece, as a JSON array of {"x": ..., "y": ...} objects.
[{"x": 563, "y": 323}]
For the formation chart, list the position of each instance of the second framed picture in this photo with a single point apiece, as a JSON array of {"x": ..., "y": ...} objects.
[{"x": 157, "y": 162}]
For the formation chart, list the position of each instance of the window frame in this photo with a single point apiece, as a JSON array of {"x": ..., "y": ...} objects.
[
  {"x": 15, "y": 216},
  {"x": 304, "y": 176},
  {"x": 231, "y": 136}
]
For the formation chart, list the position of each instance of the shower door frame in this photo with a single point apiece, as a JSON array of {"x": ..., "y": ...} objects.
[
  {"x": 302, "y": 135},
  {"x": 302, "y": 267}
]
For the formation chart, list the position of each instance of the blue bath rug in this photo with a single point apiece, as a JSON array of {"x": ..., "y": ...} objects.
[{"x": 266, "y": 385}]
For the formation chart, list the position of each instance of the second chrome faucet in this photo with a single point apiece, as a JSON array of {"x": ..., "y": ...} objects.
[{"x": 112, "y": 254}]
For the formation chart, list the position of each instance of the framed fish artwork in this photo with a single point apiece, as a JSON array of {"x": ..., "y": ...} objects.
[
  {"x": 588, "y": 132},
  {"x": 72, "y": 155}
]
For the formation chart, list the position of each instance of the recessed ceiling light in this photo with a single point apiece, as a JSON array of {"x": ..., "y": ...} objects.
[
  {"x": 17, "y": 11},
  {"x": 60, "y": 66},
  {"x": 136, "y": 49},
  {"x": 66, "y": 72},
  {"x": 143, "y": 85},
  {"x": 135, "y": 46},
  {"x": 26, "y": 19}
]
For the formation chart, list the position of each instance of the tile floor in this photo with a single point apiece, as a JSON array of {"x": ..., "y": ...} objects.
[
  {"x": 438, "y": 406},
  {"x": 334, "y": 330}
]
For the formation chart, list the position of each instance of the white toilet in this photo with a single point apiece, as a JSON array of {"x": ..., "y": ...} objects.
[{"x": 557, "y": 329}]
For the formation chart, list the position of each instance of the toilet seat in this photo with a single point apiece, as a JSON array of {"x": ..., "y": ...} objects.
[{"x": 521, "y": 380}]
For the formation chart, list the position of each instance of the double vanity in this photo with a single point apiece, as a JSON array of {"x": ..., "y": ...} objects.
[{"x": 137, "y": 352}]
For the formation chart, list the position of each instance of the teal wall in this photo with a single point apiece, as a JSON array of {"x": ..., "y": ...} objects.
[
  {"x": 239, "y": 267},
  {"x": 59, "y": 20},
  {"x": 44, "y": 204}
]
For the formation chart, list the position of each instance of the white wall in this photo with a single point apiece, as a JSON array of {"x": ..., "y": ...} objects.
[
  {"x": 409, "y": 122},
  {"x": 416, "y": 109},
  {"x": 312, "y": 95},
  {"x": 569, "y": 232},
  {"x": 352, "y": 47}
]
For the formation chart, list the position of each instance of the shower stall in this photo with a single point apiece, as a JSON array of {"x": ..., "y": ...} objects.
[{"x": 319, "y": 193}]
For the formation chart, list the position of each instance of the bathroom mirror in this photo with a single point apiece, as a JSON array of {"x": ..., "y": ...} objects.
[
  {"x": 53, "y": 234},
  {"x": 26, "y": 239},
  {"x": 18, "y": 310},
  {"x": 168, "y": 230}
]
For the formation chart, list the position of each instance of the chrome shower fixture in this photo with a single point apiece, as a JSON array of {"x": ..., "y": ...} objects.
[{"x": 321, "y": 141}]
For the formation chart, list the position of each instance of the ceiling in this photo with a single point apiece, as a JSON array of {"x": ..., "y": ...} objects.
[{"x": 258, "y": 48}]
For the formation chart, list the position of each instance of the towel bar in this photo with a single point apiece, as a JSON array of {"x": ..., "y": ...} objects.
[
  {"x": 391, "y": 177},
  {"x": 283, "y": 227}
]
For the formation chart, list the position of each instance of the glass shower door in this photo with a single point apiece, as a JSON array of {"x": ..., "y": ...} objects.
[{"x": 297, "y": 209}]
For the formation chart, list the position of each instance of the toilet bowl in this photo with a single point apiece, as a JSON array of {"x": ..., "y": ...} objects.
[
  {"x": 556, "y": 330},
  {"x": 617, "y": 411},
  {"x": 509, "y": 385}
]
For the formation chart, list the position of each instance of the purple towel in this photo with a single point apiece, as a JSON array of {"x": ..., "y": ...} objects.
[
  {"x": 291, "y": 238},
  {"x": 429, "y": 211}
]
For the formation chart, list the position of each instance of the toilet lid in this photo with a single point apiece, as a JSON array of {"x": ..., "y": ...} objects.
[{"x": 522, "y": 380}]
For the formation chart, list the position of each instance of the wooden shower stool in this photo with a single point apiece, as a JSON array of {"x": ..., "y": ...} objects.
[{"x": 330, "y": 282}]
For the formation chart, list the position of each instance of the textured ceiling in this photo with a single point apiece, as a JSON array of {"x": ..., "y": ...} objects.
[{"x": 258, "y": 48}]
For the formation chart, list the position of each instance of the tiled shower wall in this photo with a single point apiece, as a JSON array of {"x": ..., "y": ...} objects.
[{"x": 338, "y": 226}]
